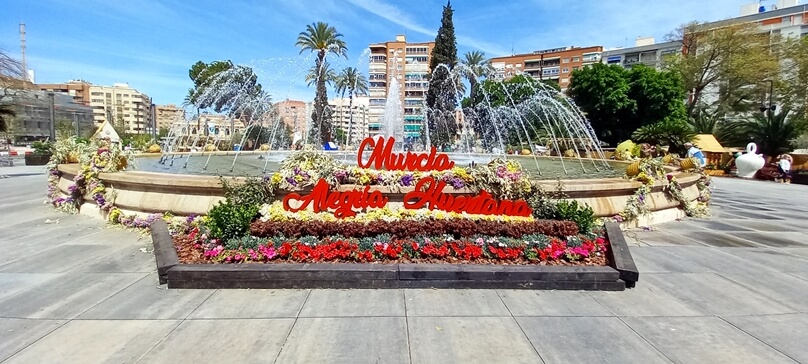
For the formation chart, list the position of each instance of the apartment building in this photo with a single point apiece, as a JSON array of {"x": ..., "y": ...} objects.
[
  {"x": 167, "y": 115},
  {"x": 210, "y": 126},
  {"x": 549, "y": 64},
  {"x": 645, "y": 51},
  {"x": 128, "y": 109},
  {"x": 785, "y": 18},
  {"x": 295, "y": 114},
  {"x": 408, "y": 63},
  {"x": 351, "y": 116},
  {"x": 78, "y": 89}
]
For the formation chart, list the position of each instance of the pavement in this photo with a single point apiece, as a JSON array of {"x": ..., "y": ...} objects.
[{"x": 730, "y": 289}]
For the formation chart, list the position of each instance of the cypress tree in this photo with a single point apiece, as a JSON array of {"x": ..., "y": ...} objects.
[{"x": 440, "y": 98}]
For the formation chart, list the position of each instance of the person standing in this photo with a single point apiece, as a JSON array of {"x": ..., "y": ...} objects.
[
  {"x": 693, "y": 152},
  {"x": 784, "y": 167}
]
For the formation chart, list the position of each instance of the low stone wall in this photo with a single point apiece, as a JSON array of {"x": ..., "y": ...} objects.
[{"x": 148, "y": 192}]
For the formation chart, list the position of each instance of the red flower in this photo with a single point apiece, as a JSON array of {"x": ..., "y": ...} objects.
[{"x": 285, "y": 250}]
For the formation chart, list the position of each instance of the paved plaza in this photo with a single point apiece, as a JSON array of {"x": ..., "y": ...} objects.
[{"x": 731, "y": 289}]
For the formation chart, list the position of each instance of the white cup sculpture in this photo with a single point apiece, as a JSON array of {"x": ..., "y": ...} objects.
[{"x": 749, "y": 163}]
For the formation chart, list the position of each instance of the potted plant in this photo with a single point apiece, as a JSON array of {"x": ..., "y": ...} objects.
[{"x": 41, "y": 154}]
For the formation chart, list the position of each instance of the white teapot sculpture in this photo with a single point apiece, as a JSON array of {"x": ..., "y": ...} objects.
[{"x": 749, "y": 163}]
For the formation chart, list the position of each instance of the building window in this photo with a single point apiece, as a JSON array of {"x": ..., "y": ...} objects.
[
  {"x": 97, "y": 94},
  {"x": 576, "y": 59},
  {"x": 565, "y": 80},
  {"x": 565, "y": 70},
  {"x": 566, "y": 60},
  {"x": 109, "y": 94}
]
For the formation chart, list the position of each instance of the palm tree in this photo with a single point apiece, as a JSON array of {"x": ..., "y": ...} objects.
[
  {"x": 323, "y": 39},
  {"x": 476, "y": 66},
  {"x": 353, "y": 81},
  {"x": 328, "y": 74},
  {"x": 773, "y": 133}
]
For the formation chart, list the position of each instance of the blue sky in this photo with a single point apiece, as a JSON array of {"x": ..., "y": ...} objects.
[{"x": 151, "y": 44}]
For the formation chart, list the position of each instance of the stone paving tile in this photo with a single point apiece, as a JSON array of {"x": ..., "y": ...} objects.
[
  {"x": 761, "y": 226},
  {"x": 115, "y": 341},
  {"x": 757, "y": 215},
  {"x": 354, "y": 340},
  {"x": 564, "y": 340},
  {"x": 798, "y": 252},
  {"x": 66, "y": 296},
  {"x": 703, "y": 340},
  {"x": 778, "y": 287},
  {"x": 551, "y": 303},
  {"x": 12, "y": 283},
  {"x": 781, "y": 261},
  {"x": 358, "y": 302},
  {"x": 720, "y": 239},
  {"x": 648, "y": 298},
  {"x": 714, "y": 225},
  {"x": 128, "y": 259},
  {"x": 714, "y": 259},
  {"x": 778, "y": 331},
  {"x": 16, "y": 334},
  {"x": 660, "y": 238},
  {"x": 60, "y": 259},
  {"x": 255, "y": 303},
  {"x": 470, "y": 302},
  {"x": 458, "y": 340},
  {"x": 659, "y": 260},
  {"x": 776, "y": 240},
  {"x": 146, "y": 300},
  {"x": 223, "y": 341},
  {"x": 716, "y": 295}
]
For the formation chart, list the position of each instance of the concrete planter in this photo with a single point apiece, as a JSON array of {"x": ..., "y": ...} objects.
[{"x": 37, "y": 159}]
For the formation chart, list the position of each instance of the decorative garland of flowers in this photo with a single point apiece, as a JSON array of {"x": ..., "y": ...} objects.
[
  {"x": 530, "y": 250},
  {"x": 94, "y": 158},
  {"x": 652, "y": 169}
]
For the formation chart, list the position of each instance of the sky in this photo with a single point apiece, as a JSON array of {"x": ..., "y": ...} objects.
[{"x": 151, "y": 44}]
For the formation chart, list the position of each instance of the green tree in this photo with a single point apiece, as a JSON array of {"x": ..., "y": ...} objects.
[
  {"x": 602, "y": 92},
  {"x": 476, "y": 66},
  {"x": 730, "y": 63},
  {"x": 162, "y": 132},
  {"x": 6, "y": 113},
  {"x": 325, "y": 72},
  {"x": 795, "y": 75},
  {"x": 773, "y": 133},
  {"x": 618, "y": 101},
  {"x": 671, "y": 132},
  {"x": 321, "y": 39},
  {"x": 355, "y": 83},
  {"x": 224, "y": 87},
  {"x": 441, "y": 98}
]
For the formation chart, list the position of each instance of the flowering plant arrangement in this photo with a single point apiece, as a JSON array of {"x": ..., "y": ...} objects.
[
  {"x": 504, "y": 179},
  {"x": 93, "y": 158},
  {"x": 305, "y": 168},
  {"x": 532, "y": 249}
]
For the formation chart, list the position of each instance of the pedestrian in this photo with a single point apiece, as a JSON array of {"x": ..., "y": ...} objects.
[
  {"x": 693, "y": 152},
  {"x": 784, "y": 167}
]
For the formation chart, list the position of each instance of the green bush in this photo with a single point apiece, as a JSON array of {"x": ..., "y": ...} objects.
[
  {"x": 552, "y": 206},
  {"x": 228, "y": 220},
  {"x": 41, "y": 148},
  {"x": 582, "y": 215},
  {"x": 253, "y": 191}
]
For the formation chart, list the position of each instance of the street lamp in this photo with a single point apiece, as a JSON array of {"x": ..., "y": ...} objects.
[{"x": 772, "y": 107}]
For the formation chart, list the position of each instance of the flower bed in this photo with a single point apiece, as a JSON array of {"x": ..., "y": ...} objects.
[{"x": 194, "y": 247}]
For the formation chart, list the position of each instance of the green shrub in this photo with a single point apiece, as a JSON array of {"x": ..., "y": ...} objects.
[
  {"x": 41, "y": 148},
  {"x": 244, "y": 242},
  {"x": 253, "y": 191},
  {"x": 582, "y": 215},
  {"x": 228, "y": 220}
]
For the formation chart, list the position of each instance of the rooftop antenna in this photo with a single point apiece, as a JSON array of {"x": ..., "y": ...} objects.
[
  {"x": 512, "y": 49},
  {"x": 22, "y": 50}
]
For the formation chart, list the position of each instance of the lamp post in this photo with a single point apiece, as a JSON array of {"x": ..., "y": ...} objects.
[
  {"x": 52, "y": 128},
  {"x": 772, "y": 107}
]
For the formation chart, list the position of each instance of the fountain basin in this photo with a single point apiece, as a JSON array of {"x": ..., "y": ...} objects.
[{"x": 150, "y": 192}]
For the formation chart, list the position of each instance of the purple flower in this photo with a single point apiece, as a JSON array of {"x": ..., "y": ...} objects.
[
  {"x": 406, "y": 180},
  {"x": 72, "y": 188}
]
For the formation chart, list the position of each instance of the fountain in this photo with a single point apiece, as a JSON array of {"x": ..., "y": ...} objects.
[{"x": 544, "y": 131}]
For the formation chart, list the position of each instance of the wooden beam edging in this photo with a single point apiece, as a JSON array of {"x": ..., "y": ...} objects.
[
  {"x": 620, "y": 256},
  {"x": 164, "y": 252}
]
